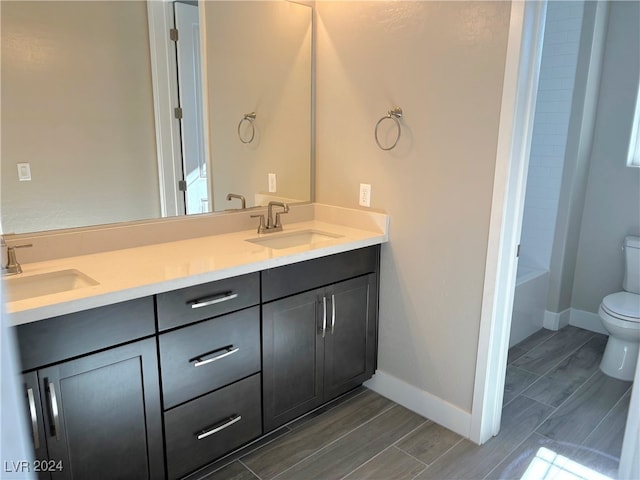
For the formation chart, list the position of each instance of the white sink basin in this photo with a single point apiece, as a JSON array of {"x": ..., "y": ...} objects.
[
  {"x": 29, "y": 286},
  {"x": 293, "y": 239}
]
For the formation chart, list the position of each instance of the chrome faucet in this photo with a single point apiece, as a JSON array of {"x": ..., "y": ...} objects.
[
  {"x": 277, "y": 225},
  {"x": 12, "y": 267},
  {"x": 240, "y": 197},
  {"x": 272, "y": 226}
]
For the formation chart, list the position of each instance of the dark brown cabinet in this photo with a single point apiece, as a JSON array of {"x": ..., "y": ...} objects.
[
  {"x": 350, "y": 340},
  {"x": 210, "y": 370},
  {"x": 98, "y": 416},
  {"x": 176, "y": 380},
  {"x": 206, "y": 428},
  {"x": 209, "y": 355},
  {"x": 320, "y": 343}
]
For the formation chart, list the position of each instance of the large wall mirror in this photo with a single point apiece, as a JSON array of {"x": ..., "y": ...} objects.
[{"x": 83, "y": 141}]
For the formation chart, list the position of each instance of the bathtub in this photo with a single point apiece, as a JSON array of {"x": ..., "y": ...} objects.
[{"x": 529, "y": 302}]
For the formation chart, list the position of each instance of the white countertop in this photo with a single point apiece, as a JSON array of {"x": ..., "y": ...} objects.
[{"x": 131, "y": 273}]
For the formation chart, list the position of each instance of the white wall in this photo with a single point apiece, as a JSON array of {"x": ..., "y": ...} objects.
[
  {"x": 443, "y": 63},
  {"x": 612, "y": 201},
  {"x": 549, "y": 141}
]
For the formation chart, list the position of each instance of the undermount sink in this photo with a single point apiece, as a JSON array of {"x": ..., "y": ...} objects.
[
  {"x": 29, "y": 286},
  {"x": 293, "y": 239}
]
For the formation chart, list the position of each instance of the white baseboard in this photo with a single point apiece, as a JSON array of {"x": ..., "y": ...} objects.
[
  {"x": 555, "y": 321},
  {"x": 587, "y": 320},
  {"x": 422, "y": 402}
]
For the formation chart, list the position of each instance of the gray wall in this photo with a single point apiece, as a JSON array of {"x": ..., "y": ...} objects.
[
  {"x": 612, "y": 200},
  {"x": 577, "y": 157},
  {"x": 77, "y": 105},
  {"x": 443, "y": 63}
]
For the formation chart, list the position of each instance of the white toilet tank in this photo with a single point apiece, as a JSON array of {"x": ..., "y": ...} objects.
[{"x": 631, "y": 282}]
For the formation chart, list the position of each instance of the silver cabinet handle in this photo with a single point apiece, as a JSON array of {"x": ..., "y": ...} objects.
[
  {"x": 199, "y": 361},
  {"x": 227, "y": 423},
  {"x": 205, "y": 302},
  {"x": 324, "y": 315},
  {"x": 34, "y": 418},
  {"x": 333, "y": 312},
  {"x": 54, "y": 411}
]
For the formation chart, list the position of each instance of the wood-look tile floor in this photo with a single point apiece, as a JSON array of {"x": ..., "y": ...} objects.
[{"x": 555, "y": 397}]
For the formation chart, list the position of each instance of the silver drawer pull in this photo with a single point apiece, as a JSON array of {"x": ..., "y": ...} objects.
[
  {"x": 333, "y": 313},
  {"x": 34, "y": 418},
  {"x": 54, "y": 411},
  {"x": 227, "y": 423},
  {"x": 227, "y": 351},
  {"x": 324, "y": 316},
  {"x": 205, "y": 302}
]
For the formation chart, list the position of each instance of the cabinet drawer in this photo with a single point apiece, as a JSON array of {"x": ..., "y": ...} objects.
[
  {"x": 60, "y": 338},
  {"x": 298, "y": 277},
  {"x": 224, "y": 420},
  {"x": 200, "y": 358},
  {"x": 199, "y": 302}
]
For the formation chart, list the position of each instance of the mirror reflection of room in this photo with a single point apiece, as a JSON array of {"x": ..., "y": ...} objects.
[{"x": 96, "y": 130}]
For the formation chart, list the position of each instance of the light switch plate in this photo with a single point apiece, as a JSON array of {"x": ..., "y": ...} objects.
[
  {"x": 365, "y": 195},
  {"x": 24, "y": 172},
  {"x": 272, "y": 183}
]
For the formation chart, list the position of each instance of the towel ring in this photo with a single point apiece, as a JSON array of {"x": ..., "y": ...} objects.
[
  {"x": 248, "y": 117},
  {"x": 394, "y": 114}
]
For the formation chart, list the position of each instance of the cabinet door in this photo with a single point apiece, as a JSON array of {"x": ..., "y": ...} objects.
[
  {"x": 103, "y": 414},
  {"x": 292, "y": 356},
  {"x": 35, "y": 419},
  {"x": 350, "y": 342}
]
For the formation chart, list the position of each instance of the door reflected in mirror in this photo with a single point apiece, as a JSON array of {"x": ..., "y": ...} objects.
[{"x": 79, "y": 108}]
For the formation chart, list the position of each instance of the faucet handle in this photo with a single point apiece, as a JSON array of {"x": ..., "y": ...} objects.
[{"x": 261, "y": 227}]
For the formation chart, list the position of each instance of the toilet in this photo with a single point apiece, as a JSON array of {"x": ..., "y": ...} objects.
[{"x": 620, "y": 315}]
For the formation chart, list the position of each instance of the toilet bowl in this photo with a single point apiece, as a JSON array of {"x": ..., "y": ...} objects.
[{"x": 620, "y": 315}]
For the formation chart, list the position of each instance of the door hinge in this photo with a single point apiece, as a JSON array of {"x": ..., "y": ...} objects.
[
  {"x": 173, "y": 34},
  {"x": 177, "y": 112},
  {"x": 182, "y": 185},
  {"x": 518, "y": 251}
]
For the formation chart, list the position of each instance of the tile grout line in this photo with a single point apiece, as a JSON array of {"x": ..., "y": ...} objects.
[
  {"x": 606, "y": 415},
  {"x": 391, "y": 407},
  {"x": 559, "y": 361},
  {"x": 229, "y": 459},
  {"x": 435, "y": 459},
  {"x": 556, "y": 409},
  {"x": 524, "y": 392},
  {"x": 531, "y": 432},
  {"x": 388, "y": 447},
  {"x": 289, "y": 432},
  {"x": 335, "y": 403},
  {"x": 394, "y": 445},
  {"x": 593, "y": 334},
  {"x": 249, "y": 469}
]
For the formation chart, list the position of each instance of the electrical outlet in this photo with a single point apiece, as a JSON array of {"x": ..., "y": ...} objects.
[
  {"x": 365, "y": 195},
  {"x": 24, "y": 172},
  {"x": 272, "y": 183}
]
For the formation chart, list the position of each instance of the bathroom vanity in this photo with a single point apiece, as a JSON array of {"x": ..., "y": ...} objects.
[{"x": 163, "y": 384}]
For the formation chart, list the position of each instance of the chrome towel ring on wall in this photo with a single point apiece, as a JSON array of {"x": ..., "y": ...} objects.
[
  {"x": 394, "y": 114},
  {"x": 248, "y": 117}
]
